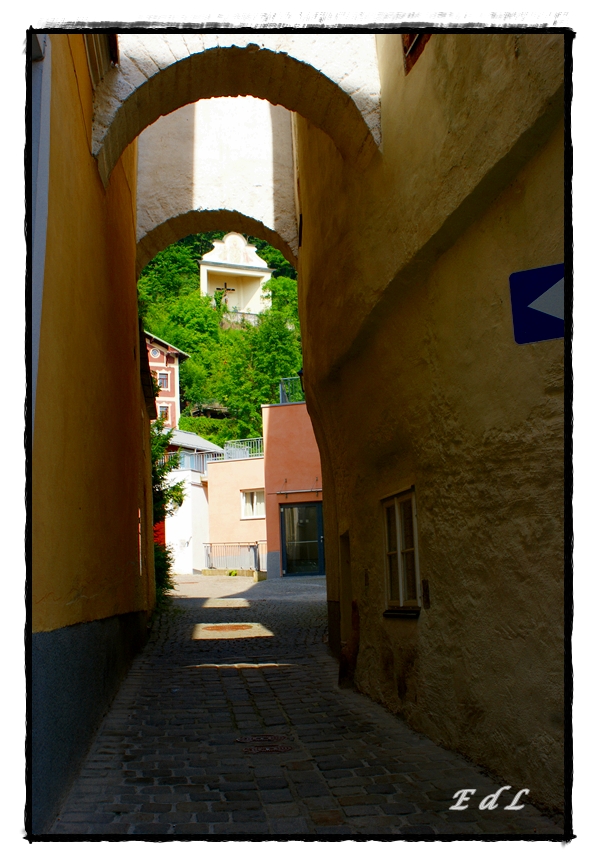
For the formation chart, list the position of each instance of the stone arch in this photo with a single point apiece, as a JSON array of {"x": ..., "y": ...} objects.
[
  {"x": 197, "y": 221},
  {"x": 330, "y": 79},
  {"x": 226, "y": 155}
]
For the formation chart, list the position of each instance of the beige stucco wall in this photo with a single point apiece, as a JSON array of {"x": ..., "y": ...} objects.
[
  {"x": 217, "y": 164},
  {"x": 226, "y": 479},
  {"x": 413, "y": 377},
  {"x": 91, "y": 458},
  {"x": 234, "y": 263}
]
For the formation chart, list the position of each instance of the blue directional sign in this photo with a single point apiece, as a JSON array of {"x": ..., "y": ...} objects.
[{"x": 538, "y": 303}]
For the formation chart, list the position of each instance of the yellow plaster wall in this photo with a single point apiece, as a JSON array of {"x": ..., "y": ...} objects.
[
  {"x": 412, "y": 374},
  {"x": 90, "y": 452}
]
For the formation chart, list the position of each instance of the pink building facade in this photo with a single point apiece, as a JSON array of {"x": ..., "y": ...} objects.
[
  {"x": 186, "y": 531},
  {"x": 236, "y": 494},
  {"x": 164, "y": 362},
  {"x": 268, "y": 493},
  {"x": 293, "y": 483}
]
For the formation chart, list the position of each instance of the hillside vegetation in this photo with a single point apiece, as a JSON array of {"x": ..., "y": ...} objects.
[{"x": 236, "y": 368}]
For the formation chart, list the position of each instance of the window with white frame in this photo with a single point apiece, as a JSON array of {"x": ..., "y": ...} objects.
[
  {"x": 164, "y": 411},
  {"x": 402, "y": 565},
  {"x": 253, "y": 504},
  {"x": 163, "y": 380}
]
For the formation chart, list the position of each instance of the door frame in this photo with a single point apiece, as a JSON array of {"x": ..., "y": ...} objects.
[{"x": 321, "y": 572}]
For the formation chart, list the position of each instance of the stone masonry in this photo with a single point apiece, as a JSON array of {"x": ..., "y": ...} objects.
[
  {"x": 330, "y": 79},
  {"x": 167, "y": 760}
]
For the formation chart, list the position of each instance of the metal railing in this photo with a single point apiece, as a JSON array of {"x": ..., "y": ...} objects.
[
  {"x": 290, "y": 390},
  {"x": 196, "y": 462},
  {"x": 240, "y": 557},
  {"x": 235, "y": 317},
  {"x": 172, "y": 458},
  {"x": 241, "y": 449}
]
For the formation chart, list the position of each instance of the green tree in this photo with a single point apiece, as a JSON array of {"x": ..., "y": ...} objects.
[
  {"x": 172, "y": 272},
  {"x": 273, "y": 258},
  {"x": 237, "y": 368},
  {"x": 166, "y": 496},
  {"x": 217, "y": 430},
  {"x": 282, "y": 292},
  {"x": 256, "y": 362}
]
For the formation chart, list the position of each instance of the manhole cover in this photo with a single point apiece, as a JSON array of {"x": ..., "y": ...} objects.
[
  {"x": 267, "y": 749},
  {"x": 229, "y": 631},
  {"x": 227, "y": 627},
  {"x": 263, "y": 737}
]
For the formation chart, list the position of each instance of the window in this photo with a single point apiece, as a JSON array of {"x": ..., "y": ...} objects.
[
  {"x": 164, "y": 411},
  {"x": 102, "y": 53},
  {"x": 154, "y": 352},
  {"x": 413, "y": 45},
  {"x": 253, "y": 504},
  {"x": 402, "y": 566},
  {"x": 163, "y": 380}
]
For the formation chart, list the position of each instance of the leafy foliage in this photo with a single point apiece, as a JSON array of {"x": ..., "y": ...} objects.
[
  {"x": 214, "y": 430},
  {"x": 236, "y": 368},
  {"x": 173, "y": 271},
  {"x": 273, "y": 258},
  {"x": 166, "y": 497},
  {"x": 256, "y": 362},
  {"x": 163, "y": 564}
]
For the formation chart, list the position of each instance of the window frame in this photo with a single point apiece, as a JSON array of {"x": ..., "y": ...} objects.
[
  {"x": 254, "y": 516},
  {"x": 166, "y": 414},
  {"x": 409, "y": 606},
  {"x": 166, "y": 375},
  {"x": 102, "y": 53},
  {"x": 413, "y": 46}
]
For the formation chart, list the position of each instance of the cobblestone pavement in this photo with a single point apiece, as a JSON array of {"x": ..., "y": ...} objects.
[{"x": 167, "y": 760}]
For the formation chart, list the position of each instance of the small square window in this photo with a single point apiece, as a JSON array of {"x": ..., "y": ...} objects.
[
  {"x": 253, "y": 504},
  {"x": 163, "y": 380},
  {"x": 402, "y": 565}
]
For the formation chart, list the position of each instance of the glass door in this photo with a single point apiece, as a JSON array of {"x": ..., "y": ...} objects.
[{"x": 302, "y": 539}]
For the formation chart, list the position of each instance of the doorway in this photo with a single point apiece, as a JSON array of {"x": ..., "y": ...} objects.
[{"x": 302, "y": 539}]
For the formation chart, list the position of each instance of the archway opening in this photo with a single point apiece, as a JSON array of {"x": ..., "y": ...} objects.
[{"x": 337, "y": 89}]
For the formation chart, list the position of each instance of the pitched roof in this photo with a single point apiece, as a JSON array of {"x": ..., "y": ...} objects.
[
  {"x": 183, "y": 439},
  {"x": 167, "y": 345}
]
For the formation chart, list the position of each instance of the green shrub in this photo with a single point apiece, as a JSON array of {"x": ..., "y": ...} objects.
[
  {"x": 166, "y": 496},
  {"x": 163, "y": 562},
  {"x": 216, "y": 430}
]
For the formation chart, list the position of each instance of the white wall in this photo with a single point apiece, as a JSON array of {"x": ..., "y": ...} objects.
[
  {"x": 214, "y": 156},
  {"x": 201, "y": 521},
  {"x": 188, "y": 528}
]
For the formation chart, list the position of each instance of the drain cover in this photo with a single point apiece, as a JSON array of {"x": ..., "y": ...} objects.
[
  {"x": 227, "y": 627},
  {"x": 267, "y": 749},
  {"x": 263, "y": 737}
]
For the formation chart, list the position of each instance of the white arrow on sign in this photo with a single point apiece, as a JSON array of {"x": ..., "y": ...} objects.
[{"x": 552, "y": 302}]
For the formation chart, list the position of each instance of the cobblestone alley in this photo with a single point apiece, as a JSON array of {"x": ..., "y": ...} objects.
[{"x": 168, "y": 760}]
